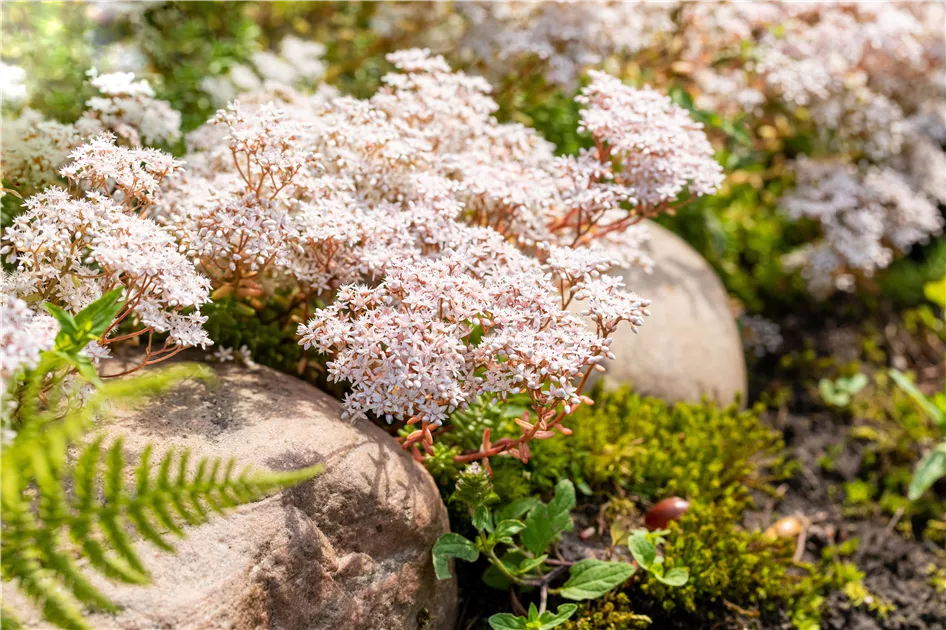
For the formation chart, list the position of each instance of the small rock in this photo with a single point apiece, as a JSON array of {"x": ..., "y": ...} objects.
[
  {"x": 785, "y": 527},
  {"x": 689, "y": 347}
]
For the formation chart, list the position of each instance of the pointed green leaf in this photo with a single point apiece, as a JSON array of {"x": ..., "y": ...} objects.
[
  {"x": 676, "y": 576},
  {"x": 452, "y": 545},
  {"x": 643, "y": 550},
  {"x": 530, "y": 563},
  {"x": 67, "y": 324},
  {"x": 930, "y": 469},
  {"x": 507, "y": 621},
  {"x": 516, "y": 509},
  {"x": 549, "y": 620},
  {"x": 95, "y": 318},
  {"x": 545, "y": 523},
  {"x": 533, "y": 612},
  {"x": 922, "y": 401},
  {"x": 505, "y": 530},
  {"x": 482, "y": 519},
  {"x": 591, "y": 578}
]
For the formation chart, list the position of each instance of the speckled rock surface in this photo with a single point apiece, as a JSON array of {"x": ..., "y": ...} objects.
[
  {"x": 690, "y": 346},
  {"x": 349, "y": 549}
]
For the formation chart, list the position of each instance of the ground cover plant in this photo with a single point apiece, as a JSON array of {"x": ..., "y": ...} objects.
[{"x": 429, "y": 211}]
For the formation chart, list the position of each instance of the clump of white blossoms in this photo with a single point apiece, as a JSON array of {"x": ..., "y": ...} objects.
[
  {"x": 868, "y": 78},
  {"x": 567, "y": 37},
  {"x": 128, "y": 108},
  {"x": 298, "y": 62},
  {"x": 70, "y": 247},
  {"x": 443, "y": 246},
  {"x": 760, "y": 336},
  {"x": 24, "y": 334},
  {"x": 867, "y": 217},
  {"x": 447, "y": 245},
  {"x": 34, "y": 148},
  {"x": 12, "y": 84}
]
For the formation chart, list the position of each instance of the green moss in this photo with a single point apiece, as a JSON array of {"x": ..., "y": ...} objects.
[
  {"x": 651, "y": 449},
  {"x": 612, "y": 612},
  {"x": 726, "y": 563}
]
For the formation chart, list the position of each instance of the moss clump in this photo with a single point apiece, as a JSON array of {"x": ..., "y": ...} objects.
[
  {"x": 726, "y": 563},
  {"x": 612, "y": 612},
  {"x": 651, "y": 449}
]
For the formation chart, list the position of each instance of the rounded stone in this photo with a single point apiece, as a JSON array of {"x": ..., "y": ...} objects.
[
  {"x": 348, "y": 549},
  {"x": 689, "y": 347}
]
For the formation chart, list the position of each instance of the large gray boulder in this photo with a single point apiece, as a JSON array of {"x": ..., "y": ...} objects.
[
  {"x": 349, "y": 549},
  {"x": 690, "y": 346}
]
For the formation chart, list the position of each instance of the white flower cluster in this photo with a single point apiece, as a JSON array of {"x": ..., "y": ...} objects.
[
  {"x": 128, "y": 109},
  {"x": 661, "y": 149},
  {"x": 298, "y": 62},
  {"x": 869, "y": 76},
  {"x": 70, "y": 250},
  {"x": 760, "y": 336},
  {"x": 447, "y": 245},
  {"x": 867, "y": 217},
  {"x": 24, "y": 334},
  {"x": 34, "y": 148},
  {"x": 472, "y": 235},
  {"x": 567, "y": 37},
  {"x": 12, "y": 84}
]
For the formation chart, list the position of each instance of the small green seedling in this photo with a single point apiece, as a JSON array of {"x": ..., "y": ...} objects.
[
  {"x": 643, "y": 546},
  {"x": 840, "y": 392},
  {"x": 535, "y": 621},
  {"x": 932, "y": 466}
]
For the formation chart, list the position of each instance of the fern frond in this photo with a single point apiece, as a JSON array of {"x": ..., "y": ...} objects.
[
  {"x": 92, "y": 507},
  {"x": 8, "y": 621}
]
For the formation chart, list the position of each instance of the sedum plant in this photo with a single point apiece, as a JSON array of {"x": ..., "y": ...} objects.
[
  {"x": 430, "y": 251},
  {"x": 70, "y": 505}
]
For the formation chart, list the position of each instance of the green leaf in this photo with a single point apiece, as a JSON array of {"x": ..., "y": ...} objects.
[
  {"x": 546, "y": 522},
  {"x": 643, "y": 550},
  {"x": 856, "y": 383},
  {"x": 67, "y": 324},
  {"x": 89, "y": 324},
  {"x": 95, "y": 318},
  {"x": 930, "y": 469},
  {"x": 448, "y": 546},
  {"x": 508, "y": 621},
  {"x": 833, "y": 394},
  {"x": 530, "y": 563},
  {"x": 482, "y": 519},
  {"x": 546, "y": 621},
  {"x": 549, "y": 620},
  {"x": 593, "y": 578},
  {"x": 533, "y": 613},
  {"x": 516, "y": 509},
  {"x": 505, "y": 530},
  {"x": 676, "y": 576},
  {"x": 924, "y": 403},
  {"x": 495, "y": 578}
]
